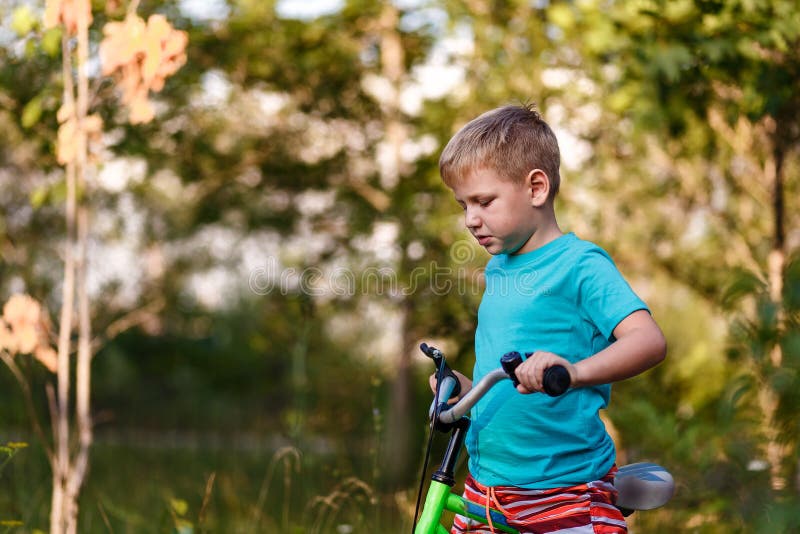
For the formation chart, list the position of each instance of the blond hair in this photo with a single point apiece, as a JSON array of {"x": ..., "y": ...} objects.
[{"x": 510, "y": 140}]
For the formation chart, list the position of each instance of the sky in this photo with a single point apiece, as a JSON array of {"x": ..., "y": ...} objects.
[{"x": 207, "y": 10}]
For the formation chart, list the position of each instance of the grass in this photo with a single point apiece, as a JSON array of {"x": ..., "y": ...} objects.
[{"x": 135, "y": 487}]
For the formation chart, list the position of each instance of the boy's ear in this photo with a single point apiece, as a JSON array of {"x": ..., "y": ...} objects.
[{"x": 539, "y": 185}]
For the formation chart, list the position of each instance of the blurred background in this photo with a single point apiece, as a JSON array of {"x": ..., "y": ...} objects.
[{"x": 267, "y": 253}]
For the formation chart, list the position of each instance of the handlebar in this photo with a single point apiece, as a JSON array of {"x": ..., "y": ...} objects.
[
  {"x": 556, "y": 382},
  {"x": 451, "y": 414}
]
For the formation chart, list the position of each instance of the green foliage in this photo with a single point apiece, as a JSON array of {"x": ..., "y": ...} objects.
[
  {"x": 673, "y": 113},
  {"x": 23, "y": 20},
  {"x": 10, "y": 449},
  {"x": 178, "y": 509},
  {"x": 31, "y": 112},
  {"x": 204, "y": 485}
]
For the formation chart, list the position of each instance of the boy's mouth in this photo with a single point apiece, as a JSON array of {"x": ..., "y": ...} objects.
[{"x": 483, "y": 240}]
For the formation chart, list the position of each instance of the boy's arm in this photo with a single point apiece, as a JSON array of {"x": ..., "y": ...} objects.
[{"x": 639, "y": 345}]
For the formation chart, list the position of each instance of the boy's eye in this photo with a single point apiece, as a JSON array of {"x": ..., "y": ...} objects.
[{"x": 484, "y": 203}]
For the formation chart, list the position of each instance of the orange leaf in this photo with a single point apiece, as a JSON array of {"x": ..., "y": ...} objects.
[
  {"x": 27, "y": 338},
  {"x": 141, "y": 110},
  {"x": 122, "y": 44},
  {"x": 93, "y": 125},
  {"x": 21, "y": 309},
  {"x": 141, "y": 55},
  {"x": 52, "y": 13},
  {"x": 68, "y": 12},
  {"x": 65, "y": 112},
  {"x": 67, "y": 143},
  {"x": 152, "y": 58},
  {"x": 48, "y": 357},
  {"x": 28, "y": 326},
  {"x": 158, "y": 28}
]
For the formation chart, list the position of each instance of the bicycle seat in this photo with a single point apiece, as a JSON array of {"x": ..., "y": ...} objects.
[{"x": 643, "y": 486}]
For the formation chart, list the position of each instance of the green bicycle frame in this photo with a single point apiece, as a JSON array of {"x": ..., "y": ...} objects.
[{"x": 440, "y": 496}]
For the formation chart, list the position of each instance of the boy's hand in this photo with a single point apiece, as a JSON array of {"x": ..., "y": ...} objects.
[
  {"x": 466, "y": 385},
  {"x": 530, "y": 373}
]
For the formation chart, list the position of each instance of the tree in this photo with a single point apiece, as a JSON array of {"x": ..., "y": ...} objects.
[
  {"x": 701, "y": 86},
  {"x": 144, "y": 54},
  {"x": 689, "y": 121},
  {"x": 667, "y": 112},
  {"x": 338, "y": 133}
]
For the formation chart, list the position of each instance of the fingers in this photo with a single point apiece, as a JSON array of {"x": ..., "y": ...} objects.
[
  {"x": 530, "y": 373},
  {"x": 432, "y": 381}
]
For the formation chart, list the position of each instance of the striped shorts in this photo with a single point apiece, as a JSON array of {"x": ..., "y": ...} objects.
[{"x": 583, "y": 509}]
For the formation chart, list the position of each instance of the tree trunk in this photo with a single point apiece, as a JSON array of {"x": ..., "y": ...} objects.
[
  {"x": 768, "y": 398},
  {"x": 397, "y": 457},
  {"x": 397, "y": 445},
  {"x": 60, "y": 413},
  {"x": 68, "y": 472}
]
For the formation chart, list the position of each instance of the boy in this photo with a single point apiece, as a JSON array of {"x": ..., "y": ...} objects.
[{"x": 547, "y": 463}]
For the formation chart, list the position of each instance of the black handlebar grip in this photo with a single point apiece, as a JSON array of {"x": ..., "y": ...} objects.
[
  {"x": 556, "y": 380},
  {"x": 510, "y": 361}
]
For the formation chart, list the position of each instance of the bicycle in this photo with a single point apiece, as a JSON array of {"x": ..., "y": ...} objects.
[{"x": 640, "y": 486}]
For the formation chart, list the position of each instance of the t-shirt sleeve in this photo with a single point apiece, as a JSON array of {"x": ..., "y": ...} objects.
[{"x": 604, "y": 297}]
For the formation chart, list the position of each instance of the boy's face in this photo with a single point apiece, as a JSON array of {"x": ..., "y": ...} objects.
[{"x": 498, "y": 212}]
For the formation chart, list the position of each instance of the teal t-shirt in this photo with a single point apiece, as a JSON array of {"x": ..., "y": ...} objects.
[{"x": 565, "y": 297}]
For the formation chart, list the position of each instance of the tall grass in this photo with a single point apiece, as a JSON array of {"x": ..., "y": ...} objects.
[{"x": 193, "y": 489}]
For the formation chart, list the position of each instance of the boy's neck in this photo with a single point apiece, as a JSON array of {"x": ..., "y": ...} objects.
[{"x": 544, "y": 234}]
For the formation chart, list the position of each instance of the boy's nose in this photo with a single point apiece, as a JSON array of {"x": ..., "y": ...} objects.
[{"x": 471, "y": 219}]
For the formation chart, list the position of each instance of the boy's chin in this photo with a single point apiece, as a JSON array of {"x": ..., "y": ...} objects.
[{"x": 496, "y": 248}]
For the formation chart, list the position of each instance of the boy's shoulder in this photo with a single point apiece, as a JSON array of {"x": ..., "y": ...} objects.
[
  {"x": 568, "y": 248},
  {"x": 589, "y": 248}
]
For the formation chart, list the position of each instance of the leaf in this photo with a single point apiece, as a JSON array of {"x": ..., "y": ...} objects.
[
  {"x": 30, "y": 49},
  {"x": 122, "y": 43},
  {"x": 562, "y": 16},
  {"x": 65, "y": 112},
  {"x": 20, "y": 309},
  {"x": 93, "y": 125},
  {"x": 141, "y": 111},
  {"x": 52, "y": 13},
  {"x": 743, "y": 284},
  {"x": 47, "y": 357},
  {"x": 51, "y": 42},
  {"x": 179, "y": 506},
  {"x": 38, "y": 197},
  {"x": 152, "y": 56},
  {"x": 23, "y": 20},
  {"x": 68, "y": 13},
  {"x": 32, "y": 112},
  {"x": 66, "y": 145},
  {"x": 142, "y": 55},
  {"x": 22, "y": 314}
]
